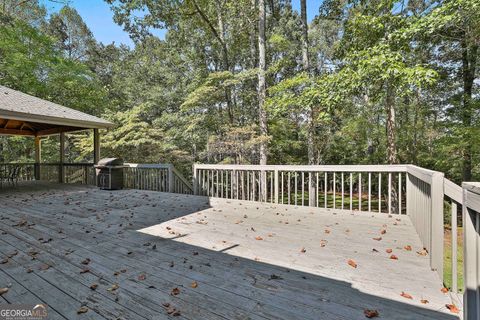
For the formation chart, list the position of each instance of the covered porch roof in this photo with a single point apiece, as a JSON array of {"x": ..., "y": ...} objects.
[{"x": 23, "y": 114}]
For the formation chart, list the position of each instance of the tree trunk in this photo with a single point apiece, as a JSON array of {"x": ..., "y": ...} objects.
[
  {"x": 262, "y": 64},
  {"x": 469, "y": 61},
  {"x": 391, "y": 134}
]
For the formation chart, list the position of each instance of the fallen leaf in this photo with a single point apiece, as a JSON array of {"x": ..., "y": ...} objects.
[
  {"x": 444, "y": 290},
  {"x": 352, "y": 263},
  {"x": 370, "y": 313},
  {"x": 453, "y": 308},
  {"x": 423, "y": 252},
  {"x": 142, "y": 277},
  {"x": 114, "y": 287},
  {"x": 258, "y": 238},
  {"x": 377, "y": 238},
  {"x": 393, "y": 257},
  {"x": 86, "y": 261},
  {"x": 3, "y": 291},
  {"x": 44, "y": 267},
  {"x": 323, "y": 243},
  {"x": 175, "y": 291},
  {"x": 194, "y": 284},
  {"x": 408, "y": 248},
  {"x": 303, "y": 250},
  {"x": 86, "y": 270},
  {"x": 4, "y": 261},
  {"x": 424, "y": 301},
  {"x": 94, "y": 286},
  {"x": 389, "y": 250},
  {"x": 374, "y": 250},
  {"x": 383, "y": 231},
  {"x": 82, "y": 310},
  {"x": 406, "y": 295},
  {"x": 327, "y": 231}
]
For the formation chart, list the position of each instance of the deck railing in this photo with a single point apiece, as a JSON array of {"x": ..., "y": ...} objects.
[
  {"x": 393, "y": 189},
  {"x": 471, "y": 238},
  {"x": 156, "y": 177}
]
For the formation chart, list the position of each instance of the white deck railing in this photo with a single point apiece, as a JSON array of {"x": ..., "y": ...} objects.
[
  {"x": 155, "y": 177},
  {"x": 393, "y": 189}
]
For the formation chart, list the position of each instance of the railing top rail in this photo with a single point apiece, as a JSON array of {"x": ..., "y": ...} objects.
[
  {"x": 453, "y": 191},
  {"x": 327, "y": 168},
  {"x": 149, "y": 165},
  {"x": 472, "y": 199}
]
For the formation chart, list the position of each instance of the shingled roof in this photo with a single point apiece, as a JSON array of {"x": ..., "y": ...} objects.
[{"x": 23, "y": 114}]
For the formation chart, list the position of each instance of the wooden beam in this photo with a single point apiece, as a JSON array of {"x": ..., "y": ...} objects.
[
  {"x": 61, "y": 169},
  {"x": 96, "y": 146},
  {"x": 38, "y": 157},
  {"x": 16, "y": 132},
  {"x": 57, "y": 130}
]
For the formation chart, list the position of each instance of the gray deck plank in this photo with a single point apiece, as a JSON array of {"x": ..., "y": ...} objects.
[{"x": 232, "y": 269}]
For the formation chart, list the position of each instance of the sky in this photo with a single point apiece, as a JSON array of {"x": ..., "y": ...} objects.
[{"x": 99, "y": 18}]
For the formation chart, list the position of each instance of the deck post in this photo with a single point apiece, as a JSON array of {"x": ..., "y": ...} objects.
[
  {"x": 96, "y": 146},
  {"x": 195, "y": 180},
  {"x": 471, "y": 240},
  {"x": 38, "y": 157},
  {"x": 61, "y": 168},
  {"x": 437, "y": 232},
  {"x": 171, "y": 180}
]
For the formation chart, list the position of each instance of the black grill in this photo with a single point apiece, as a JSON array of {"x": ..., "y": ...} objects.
[{"x": 110, "y": 173}]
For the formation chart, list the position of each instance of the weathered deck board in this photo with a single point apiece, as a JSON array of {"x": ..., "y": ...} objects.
[{"x": 213, "y": 244}]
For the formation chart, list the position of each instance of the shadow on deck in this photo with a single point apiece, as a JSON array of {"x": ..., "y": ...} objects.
[{"x": 228, "y": 259}]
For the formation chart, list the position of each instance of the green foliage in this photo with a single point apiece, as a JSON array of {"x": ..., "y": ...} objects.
[{"x": 193, "y": 96}]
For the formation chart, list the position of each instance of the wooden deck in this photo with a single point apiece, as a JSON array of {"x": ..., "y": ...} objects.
[{"x": 157, "y": 255}]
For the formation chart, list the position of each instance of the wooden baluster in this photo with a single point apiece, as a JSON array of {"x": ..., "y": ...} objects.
[
  {"x": 389, "y": 193},
  {"x": 316, "y": 187},
  {"x": 379, "y": 192},
  {"x": 351, "y": 191},
  {"x": 369, "y": 192},
  {"x": 325, "y": 185},
  {"x": 454, "y": 240},
  {"x": 334, "y": 189},
  {"x": 289, "y": 181},
  {"x": 343, "y": 191},
  {"x": 360, "y": 192},
  {"x": 303, "y": 188}
]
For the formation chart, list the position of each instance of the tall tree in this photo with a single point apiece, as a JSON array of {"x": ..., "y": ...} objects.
[{"x": 262, "y": 88}]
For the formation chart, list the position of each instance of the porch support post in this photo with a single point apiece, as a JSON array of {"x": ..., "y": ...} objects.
[
  {"x": 96, "y": 146},
  {"x": 61, "y": 169},
  {"x": 38, "y": 157}
]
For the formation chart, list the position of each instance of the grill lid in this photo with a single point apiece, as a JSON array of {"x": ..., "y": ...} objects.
[{"x": 109, "y": 162}]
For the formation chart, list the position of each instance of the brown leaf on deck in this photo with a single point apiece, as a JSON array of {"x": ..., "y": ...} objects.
[
  {"x": 114, "y": 287},
  {"x": 408, "y": 247},
  {"x": 258, "y": 238},
  {"x": 388, "y": 251},
  {"x": 453, "y": 308},
  {"x": 86, "y": 261},
  {"x": 393, "y": 257},
  {"x": 194, "y": 284},
  {"x": 323, "y": 243},
  {"x": 327, "y": 231},
  {"x": 383, "y": 231},
  {"x": 424, "y": 301},
  {"x": 377, "y": 238},
  {"x": 82, "y": 310},
  {"x": 86, "y": 270},
  {"x": 303, "y": 250},
  {"x": 142, "y": 277},
  {"x": 3, "y": 261},
  {"x": 94, "y": 286},
  {"x": 3, "y": 291},
  {"x": 370, "y": 313},
  {"x": 444, "y": 290},
  {"x": 352, "y": 263},
  {"x": 406, "y": 295},
  {"x": 175, "y": 291},
  {"x": 422, "y": 252}
]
